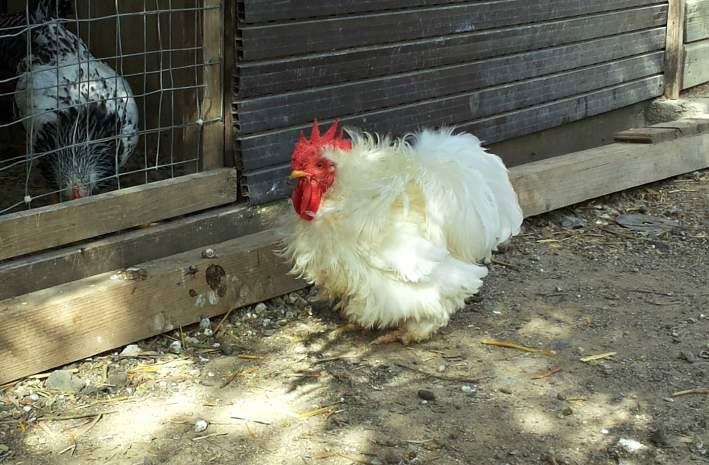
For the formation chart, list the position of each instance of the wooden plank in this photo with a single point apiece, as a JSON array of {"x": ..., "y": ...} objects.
[
  {"x": 212, "y": 107},
  {"x": 647, "y": 135},
  {"x": 325, "y": 35},
  {"x": 71, "y": 263},
  {"x": 257, "y": 11},
  {"x": 228, "y": 79},
  {"x": 262, "y": 150},
  {"x": 674, "y": 47},
  {"x": 561, "y": 181},
  {"x": 55, "y": 225},
  {"x": 271, "y": 183},
  {"x": 276, "y": 76},
  {"x": 535, "y": 119},
  {"x": 65, "y": 323},
  {"x": 278, "y": 111},
  {"x": 696, "y": 20},
  {"x": 696, "y": 64},
  {"x": 55, "y": 326},
  {"x": 686, "y": 126}
]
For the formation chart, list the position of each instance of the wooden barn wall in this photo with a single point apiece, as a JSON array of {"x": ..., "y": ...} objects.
[
  {"x": 696, "y": 49},
  {"x": 499, "y": 69}
]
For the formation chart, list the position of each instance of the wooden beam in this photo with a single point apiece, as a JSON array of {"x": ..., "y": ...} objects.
[
  {"x": 213, "y": 97},
  {"x": 674, "y": 49},
  {"x": 697, "y": 20},
  {"x": 646, "y": 135},
  {"x": 55, "y": 225},
  {"x": 568, "y": 179},
  {"x": 663, "y": 132},
  {"x": 229, "y": 22},
  {"x": 77, "y": 261},
  {"x": 62, "y": 324},
  {"x": 696, "y": 66}
]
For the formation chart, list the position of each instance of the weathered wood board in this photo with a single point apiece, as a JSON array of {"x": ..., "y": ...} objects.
[
  {"x": 697, "y": 20},
  {"x": 696, "y": 64},
  {"x": 71, "y": 263},
  {"x": 67, "y": 222},
  {"x": 55, "y": 326},
  {"x": 561, "y": 181},
  {"x": 674, "y": 49}
]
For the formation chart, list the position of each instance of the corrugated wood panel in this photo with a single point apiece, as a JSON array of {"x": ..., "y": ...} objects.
[
  {"x": 261, "y": 11},
  {"x": 271, "y": 183},
  {"x": 499, "y": 68},
  {"x": 697, "y": 20},
  {"x": 323, "y": 35},
  {"x": 272, "y": 148},
  {"x": 303, "y": 72},
  {"x": 282, "y": 110}
]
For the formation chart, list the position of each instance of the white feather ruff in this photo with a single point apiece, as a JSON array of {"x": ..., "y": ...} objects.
[{"x": 401, "y": 234}]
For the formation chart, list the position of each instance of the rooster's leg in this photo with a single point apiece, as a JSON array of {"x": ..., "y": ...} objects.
[
  {"x": 348, "y": 328},
  {"x": 397, "y": 335}
]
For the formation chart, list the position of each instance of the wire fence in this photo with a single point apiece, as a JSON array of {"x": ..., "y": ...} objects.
[{"x": 97, "y": 96}]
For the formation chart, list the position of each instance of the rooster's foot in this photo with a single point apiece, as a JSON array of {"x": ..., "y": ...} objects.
[
  {"x": 348, "y": 328},
  {"x": 397, "y": 335}
]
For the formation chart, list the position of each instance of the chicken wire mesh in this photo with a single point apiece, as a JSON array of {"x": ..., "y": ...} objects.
[{"x": 99, "y": 95}]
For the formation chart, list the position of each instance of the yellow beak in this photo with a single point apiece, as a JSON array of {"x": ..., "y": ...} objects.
[{"x": 295, "y": 174}]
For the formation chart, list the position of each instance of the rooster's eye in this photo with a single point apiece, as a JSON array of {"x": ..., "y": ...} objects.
[{"x": 319, "y": 164}]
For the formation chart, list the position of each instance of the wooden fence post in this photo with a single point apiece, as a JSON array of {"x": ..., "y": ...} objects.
[{"x": 674, "y": 49}]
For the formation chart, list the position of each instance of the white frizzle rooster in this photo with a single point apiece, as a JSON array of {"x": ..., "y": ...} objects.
[
  {"x": 81, "y": 113},
  {"x": 398, "y": 230}
]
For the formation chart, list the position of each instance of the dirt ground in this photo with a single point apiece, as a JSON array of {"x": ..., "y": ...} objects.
[{"x": 279, "y": 384}]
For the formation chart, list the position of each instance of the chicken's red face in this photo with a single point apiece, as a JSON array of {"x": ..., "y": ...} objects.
[{"x": 314, "y": 172}]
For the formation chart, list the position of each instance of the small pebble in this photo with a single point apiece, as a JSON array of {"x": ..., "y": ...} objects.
[
  {"x": 689, "y": 357},
  {"x": 204, "y": 323},
  {"x": 209, "y": 253},
  {"x": 26, "y": 408},
  {"x": 175, "y": 347},
  {"x": 391, "y": 457},
  {"x": 567, "y": 411},
  {"x": 131, "y": 350},
  {"x": 426, "y": 395},
  {"x": 266, "y": 322},
  {"x": 34, "y": 397},
  {"x": 659, "y": 438},
  {"x": 468, "y": 389},
  {"x": 208, "y": 332},
  {"x": 441, "y": 368},
  {"x": 561, "y": 396},
  {"x": 282, "y": 322},
  {"x": 505, "y": 391},
  {"x": 260, "y": 307},
  {"x": 200, "y": 425}
]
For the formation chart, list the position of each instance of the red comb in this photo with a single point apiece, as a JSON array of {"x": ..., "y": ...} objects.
[{"x": 332, "y": 138}]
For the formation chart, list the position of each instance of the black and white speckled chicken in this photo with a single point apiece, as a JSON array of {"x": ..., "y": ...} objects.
[{"x": 81, "y": 114}]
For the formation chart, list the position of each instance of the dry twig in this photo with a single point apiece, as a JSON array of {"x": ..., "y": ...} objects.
[
  {"x": 591, "y": 358},
  {"x": 691, "y": 391},
  {"x": 549, "y": 373},
  {"x": 512, "y": 345}
]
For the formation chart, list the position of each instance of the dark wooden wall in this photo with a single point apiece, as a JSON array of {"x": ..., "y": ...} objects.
[{"x": 499, "y": 69}]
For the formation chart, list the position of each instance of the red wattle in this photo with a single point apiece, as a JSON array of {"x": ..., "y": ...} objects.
[{"x": 306, "y": 198}]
